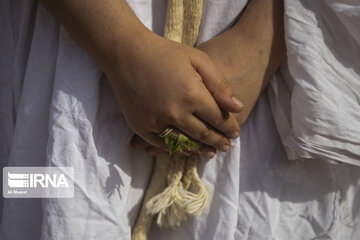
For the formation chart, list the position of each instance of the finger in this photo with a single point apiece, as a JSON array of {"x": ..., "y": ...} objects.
[
  {"x": 218, "y": 86},
  {"x": 198, "y": 130},
  {"x": 207, "y": 151},
  {"x": 154, "y": 140},
  {"x": 209, "y": 112},
  {"x": 151, "y": 151},
  {"x": 138, "y": 142}
]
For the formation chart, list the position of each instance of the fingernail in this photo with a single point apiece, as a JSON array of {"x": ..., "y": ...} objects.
[
  {"x": 208, "y": 154},
  {"x": 235, "y": 100},
  {"x": 224, "y": 148},
  {"x": 235, "y": 134}
]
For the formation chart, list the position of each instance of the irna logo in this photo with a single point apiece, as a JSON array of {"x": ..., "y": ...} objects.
[
  {"x": 18, "y": 180},
  {"x": 38, "y": 182}
]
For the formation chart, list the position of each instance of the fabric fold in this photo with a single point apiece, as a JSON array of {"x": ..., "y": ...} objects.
[{"x": 323, "y": 70}]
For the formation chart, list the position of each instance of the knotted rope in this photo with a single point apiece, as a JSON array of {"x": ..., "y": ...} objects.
[{"x": 175, "y": 190}]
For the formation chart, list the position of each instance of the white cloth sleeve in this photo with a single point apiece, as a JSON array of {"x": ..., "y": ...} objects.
[{"x": 315, "y": 96}]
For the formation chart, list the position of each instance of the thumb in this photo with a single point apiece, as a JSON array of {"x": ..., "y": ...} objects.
[
  {"x": 222, "y": 93},
  {"x": 218, "y": 86}
]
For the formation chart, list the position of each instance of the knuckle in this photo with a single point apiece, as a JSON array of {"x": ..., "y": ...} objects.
[
  {"x": 169, "y": 115},
  {"x": 190, "y": 97},
  {"x": 152, "y": 123},
  {"x": 218, "y": 122},
  {"x": 203, "y": 134},
  {"x": 220, "y": 143},
  {"x": 224, "y": 85}
]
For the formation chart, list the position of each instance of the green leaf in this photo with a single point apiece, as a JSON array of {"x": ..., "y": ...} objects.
[{"x": 179, "y": 142}]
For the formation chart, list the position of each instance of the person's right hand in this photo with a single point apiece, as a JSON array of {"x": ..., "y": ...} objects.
[{"x": 160, "y": 84}]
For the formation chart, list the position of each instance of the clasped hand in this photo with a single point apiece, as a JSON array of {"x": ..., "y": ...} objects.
[{"x": 166, "y": 84}]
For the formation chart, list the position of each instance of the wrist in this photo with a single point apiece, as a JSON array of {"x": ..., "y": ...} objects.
[{"x": 120, "y": 51}]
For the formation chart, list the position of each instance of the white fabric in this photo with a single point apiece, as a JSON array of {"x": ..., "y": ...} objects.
[
  {"x": 57, "y": 109},
  {"x": 322, "y": 85}
]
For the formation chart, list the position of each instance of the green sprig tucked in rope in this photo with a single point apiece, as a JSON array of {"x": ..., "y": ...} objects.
[
  {"x": 179, "y": 142},
  {"x": 175, "y": 191}
]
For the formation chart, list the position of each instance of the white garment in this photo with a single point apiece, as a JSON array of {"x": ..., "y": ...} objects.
[
  {"x": 316, "y": 99},
  {"x": 57, "y": 109}
]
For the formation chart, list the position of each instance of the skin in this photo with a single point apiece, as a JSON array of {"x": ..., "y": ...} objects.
[
  {"x": 247, "y": 55},
  {"x": 154, "y": 89}
]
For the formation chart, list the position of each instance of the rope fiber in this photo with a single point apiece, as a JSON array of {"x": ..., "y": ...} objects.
[{"x": 175, "y": 190}]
